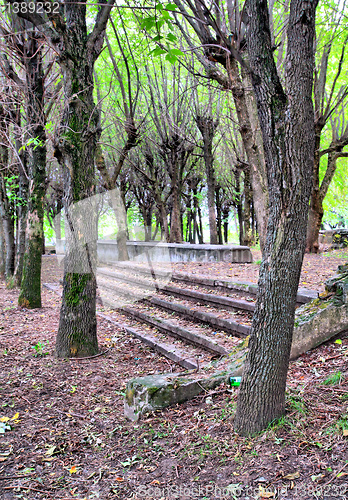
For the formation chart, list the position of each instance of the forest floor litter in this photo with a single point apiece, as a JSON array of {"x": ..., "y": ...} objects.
[{"x": 63, "y": 434}]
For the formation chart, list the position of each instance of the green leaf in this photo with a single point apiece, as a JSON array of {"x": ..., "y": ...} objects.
[
  {"x": 166, "y": 15},
  {"x": 170, "y": 6},
  {"x": 148, "y": 23},
  {"x": 158, "y": 51},
  {"x": 171, "y": 37},
  {"x": 171, "y": 58},
  {"x": 176, "y": 52}
]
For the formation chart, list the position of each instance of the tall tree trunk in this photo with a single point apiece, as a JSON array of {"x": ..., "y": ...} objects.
[
  {"x": 163, "y": 217},
  {"x": 312, "y": 243},
  {"x": 110, "y": 183},
  {"x": 2, "y": 250},
  {"x": 75, "y": 149},
  {"x": 239, "y": 204},
  {"x": 207, "y": 127},
  {"x": 287, "y": 123},
  {"x": 248, "y": 127},
  {"x": 218, "y": 215},
  {"x": 8, "y": 225},
  {"x": 175, "y": 222},
  {"x": 21, "y": 228},
  {"x": 30, "y": 294},
  {"x": 190, "y": 219},
  {"x": 316, "y": 209},
  {"x": 198, "y": 213},
  {"x": 226, "y": 213},
  {"x": 247, "y": 238},
  {"x": 7, "y": 216},
  {"x": 79, "y": 133},
  {"x": 57, "y": 226}
]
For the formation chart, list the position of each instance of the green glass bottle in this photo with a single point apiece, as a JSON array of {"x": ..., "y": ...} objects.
[{"x": 235, "y": 381}]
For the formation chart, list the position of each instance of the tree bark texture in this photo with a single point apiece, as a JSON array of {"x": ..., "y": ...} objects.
[
  {"x": 287, "y": 123},
  {"x": 22, "y": 211},
  {"x": 75, "y": 150},
  {"x": 30, "y": 293},
  {"x": 7, "y": 216},
  {"x": 2, "y": 250},
  {"x": 312, "y": 241},
  {"x": 319, "y": 191},
  {"x": 207, "y": 127},
  {"x": 248, "y": 198}
]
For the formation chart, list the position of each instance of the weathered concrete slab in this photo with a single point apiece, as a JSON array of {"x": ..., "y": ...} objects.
[
  {"x": 175, "y": 252},
  {"x": 158, "y": 391},
  {"x": 315, "y": 323},
  {"x": 140, "y": 251},
  {"x": 324, "y": 317}
]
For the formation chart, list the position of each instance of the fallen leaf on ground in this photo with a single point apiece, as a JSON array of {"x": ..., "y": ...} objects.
[
  {"x": 292, "y": 476},
  {"x": 265, "y": 494}
]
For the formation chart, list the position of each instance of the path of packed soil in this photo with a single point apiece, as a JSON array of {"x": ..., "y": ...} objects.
[{"x": 67, "y": 436}]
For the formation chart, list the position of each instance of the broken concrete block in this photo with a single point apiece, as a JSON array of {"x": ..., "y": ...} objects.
[
  {"x": 158, "y": 391},
  {"x": 324, "y": 317}
]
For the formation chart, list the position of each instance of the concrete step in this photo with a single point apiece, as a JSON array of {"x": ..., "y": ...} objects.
[
  {"x": 231, "y": 327},
  {"x": 176, "y": 331}
]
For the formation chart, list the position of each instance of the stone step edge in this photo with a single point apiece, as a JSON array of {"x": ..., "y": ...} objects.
[
  {"x": 127, "y": 279},
  {"x": 197, "y": 339},
  {"x": 170, "y": 351},
  {"x": 227, "y": 302},
  {"x": 226, "y": 325},
  {"x": 232, "y": 327},
  {"x": 217, "y": 300},
  {"x": 174, "y": 330},
  {"x": 304, "y": 295}
]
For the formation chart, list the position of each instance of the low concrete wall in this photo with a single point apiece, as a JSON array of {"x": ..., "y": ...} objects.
[
  {"x": 338, "y": 237},
  {"x": 325, "y": 237},
  {"x": 170, "y": 252}
]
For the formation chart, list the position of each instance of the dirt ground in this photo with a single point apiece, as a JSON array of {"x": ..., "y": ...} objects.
[{"x": 66, "y": 436}]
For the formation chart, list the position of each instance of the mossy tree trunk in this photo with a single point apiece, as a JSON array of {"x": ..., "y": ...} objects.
[
  {"x": 287, "y": 123},
  {"x": 30, "y": 293},
  {"x": 2, "y": 250},
  {"x": 75, "y": 150},
  {"x": 22, "y": 210},
  {"x": 7, "y": 215}
]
